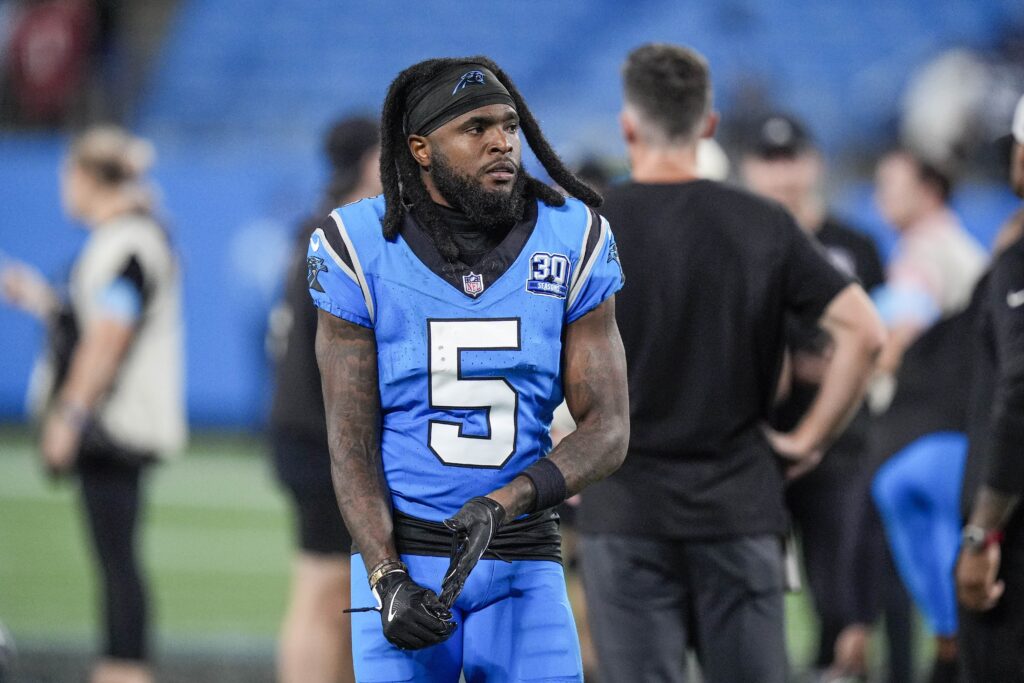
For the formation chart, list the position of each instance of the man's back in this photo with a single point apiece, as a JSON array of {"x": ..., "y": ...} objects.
[{"x": 713, "y": 271}]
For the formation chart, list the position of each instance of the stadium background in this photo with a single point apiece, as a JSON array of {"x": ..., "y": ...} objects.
[{"x": 236, "y": 94}]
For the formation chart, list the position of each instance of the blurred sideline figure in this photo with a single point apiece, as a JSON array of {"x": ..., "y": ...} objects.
[
  {"x": 936, "y": 262},
  {"x": 916, "y": 490},
  {"x": 116, "y": 403},
  {"x": 315, "y": 645},
  {"x": 990, "y": 569},
  {"x": 683, "y": 544},
  {"x": 930, "y": 279},
  {"x": 782, "y": 163}
]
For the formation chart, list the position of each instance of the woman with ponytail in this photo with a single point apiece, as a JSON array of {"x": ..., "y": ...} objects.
[{"x": 111, "y": 398}]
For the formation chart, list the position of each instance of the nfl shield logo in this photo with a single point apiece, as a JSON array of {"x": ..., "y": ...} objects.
[{"x": 473, "y": 284}]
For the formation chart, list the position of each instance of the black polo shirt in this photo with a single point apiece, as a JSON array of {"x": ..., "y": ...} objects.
[{"x": 713, "y": 272}]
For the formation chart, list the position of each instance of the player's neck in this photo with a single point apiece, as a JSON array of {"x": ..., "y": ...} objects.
[{"x": 657, "y": 165}]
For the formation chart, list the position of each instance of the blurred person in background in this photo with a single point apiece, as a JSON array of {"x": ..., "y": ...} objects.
[
  {"x": 47, "y": 59},
  {"x": 921, "y": 438},
  {"x": 683, "y": 545},
  {"x": 990, "y": 567},
  {"x": 782, "y": 163},
  {"x": 316, "y": 639},
  {"x": 117, "y": 398},
  {"x": 595, "y": 172},
  {"x": 935, "y": 264},
  {"x": 933, "y": 270}
]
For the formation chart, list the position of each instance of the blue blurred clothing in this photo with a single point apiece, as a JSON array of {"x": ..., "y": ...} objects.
[{"x": 917, "y": 492}]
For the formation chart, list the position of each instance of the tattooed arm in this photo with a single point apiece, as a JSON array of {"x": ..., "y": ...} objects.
[
  {"x": 594, "y": 377},
  {"x": 347, "y": 356}
]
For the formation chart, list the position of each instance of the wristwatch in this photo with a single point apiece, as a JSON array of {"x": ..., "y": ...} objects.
[{"x": 974, "y": 538}]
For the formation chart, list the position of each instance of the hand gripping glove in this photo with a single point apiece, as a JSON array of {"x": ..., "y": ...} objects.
[
  {"x": 473, "y": 527},
  {"x": 411, "y": 615}
]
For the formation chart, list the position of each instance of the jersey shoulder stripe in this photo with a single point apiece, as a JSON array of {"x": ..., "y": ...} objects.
[
  {"x": 357, "y": 228},
  {"x": 594, "y": 238},
  {"x": 357, "y": 268},
  {"x": 326, "y": 238}
]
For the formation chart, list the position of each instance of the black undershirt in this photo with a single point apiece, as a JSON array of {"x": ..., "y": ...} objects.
[
  {"x": 473, "y": 241},
  {"x": 492, "y": 252}
]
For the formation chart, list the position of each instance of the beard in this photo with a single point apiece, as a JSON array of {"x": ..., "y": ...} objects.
[{"x": 490, "y": 209}]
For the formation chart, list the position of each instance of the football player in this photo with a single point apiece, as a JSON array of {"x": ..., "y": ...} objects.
[{"x": 456, "y": 311}]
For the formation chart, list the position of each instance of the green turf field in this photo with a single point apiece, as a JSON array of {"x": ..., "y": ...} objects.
[{"x": 217, "y": 544}]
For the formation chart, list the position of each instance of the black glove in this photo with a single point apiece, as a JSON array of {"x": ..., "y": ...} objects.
[
  {"x": 411, "y": 615},
  {"x": 474, "y": 526}
]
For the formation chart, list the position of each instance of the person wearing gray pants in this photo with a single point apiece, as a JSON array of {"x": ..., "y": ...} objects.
[{"x": 683, "y": 544}]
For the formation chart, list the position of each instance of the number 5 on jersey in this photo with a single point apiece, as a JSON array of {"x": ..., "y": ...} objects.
[{"x": 449, "y": 390}]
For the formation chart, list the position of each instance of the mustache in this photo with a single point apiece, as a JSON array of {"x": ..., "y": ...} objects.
[{"x": 501, "y": 165}]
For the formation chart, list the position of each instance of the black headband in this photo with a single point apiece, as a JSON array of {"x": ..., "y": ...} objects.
[{"x": 456, "y": 90}]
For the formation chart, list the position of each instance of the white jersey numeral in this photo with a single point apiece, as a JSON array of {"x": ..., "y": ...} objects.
[{"x": 449, "y": 390}]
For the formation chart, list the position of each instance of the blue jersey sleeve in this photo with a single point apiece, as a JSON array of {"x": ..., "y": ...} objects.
[
  {"x": 599, "y": 272},
  {"x": 336, "y": 281}
]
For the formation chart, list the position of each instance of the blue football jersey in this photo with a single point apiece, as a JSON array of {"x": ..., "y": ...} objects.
[{"x": 469, "y": 364}]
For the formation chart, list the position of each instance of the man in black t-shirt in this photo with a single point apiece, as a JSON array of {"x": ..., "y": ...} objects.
[
  {"x": 781, "y": 162},
  {"x": 683, "y": 544}
]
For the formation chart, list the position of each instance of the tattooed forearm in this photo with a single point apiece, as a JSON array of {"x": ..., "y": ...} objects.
[
  {"x": 347, "y": 356},
  {"x": 594, "y": 380},
  {"x": 598, "y": 398}
]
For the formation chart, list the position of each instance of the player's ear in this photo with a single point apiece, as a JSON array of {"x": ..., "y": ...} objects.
[
  {"x": 420, "y": 149},
  {"x": 710, "y": 125},
  {"x": 628, "y": 123}
]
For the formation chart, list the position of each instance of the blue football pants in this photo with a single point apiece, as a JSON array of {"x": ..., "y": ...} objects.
[
  {"x": 917, "y": 492},
  {"x": 515, "y": 624}
]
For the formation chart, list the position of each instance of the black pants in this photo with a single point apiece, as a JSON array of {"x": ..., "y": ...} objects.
[
  {"x": 880, "y": 592},
  {"x": 825, "y": 508},
  {"x": 992, "y": 643},
  {"x": 648, "y": 599},
  {"x": 111, "y": 497}
]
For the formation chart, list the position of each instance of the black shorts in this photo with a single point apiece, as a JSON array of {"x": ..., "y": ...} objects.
[{"x": 303, "y": 466}]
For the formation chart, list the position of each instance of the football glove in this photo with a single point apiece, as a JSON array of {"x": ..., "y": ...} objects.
[
  {"x": 473, "y": 527},
  {"x": 411, "y": 615}
]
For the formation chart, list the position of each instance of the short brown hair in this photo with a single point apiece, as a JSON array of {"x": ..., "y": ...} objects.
[{"x": 670, "y": 85}]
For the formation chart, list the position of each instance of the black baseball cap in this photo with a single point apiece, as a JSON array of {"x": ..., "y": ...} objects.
[
  {"x": 349, "y": 139},
  {"x": 779, "y": 136}
]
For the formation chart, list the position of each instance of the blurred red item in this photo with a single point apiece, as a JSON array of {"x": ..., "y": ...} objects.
[{"x": 49, "y": 57}]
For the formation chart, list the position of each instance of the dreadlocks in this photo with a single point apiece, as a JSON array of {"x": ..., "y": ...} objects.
[{"x": 400, "y": 174}]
